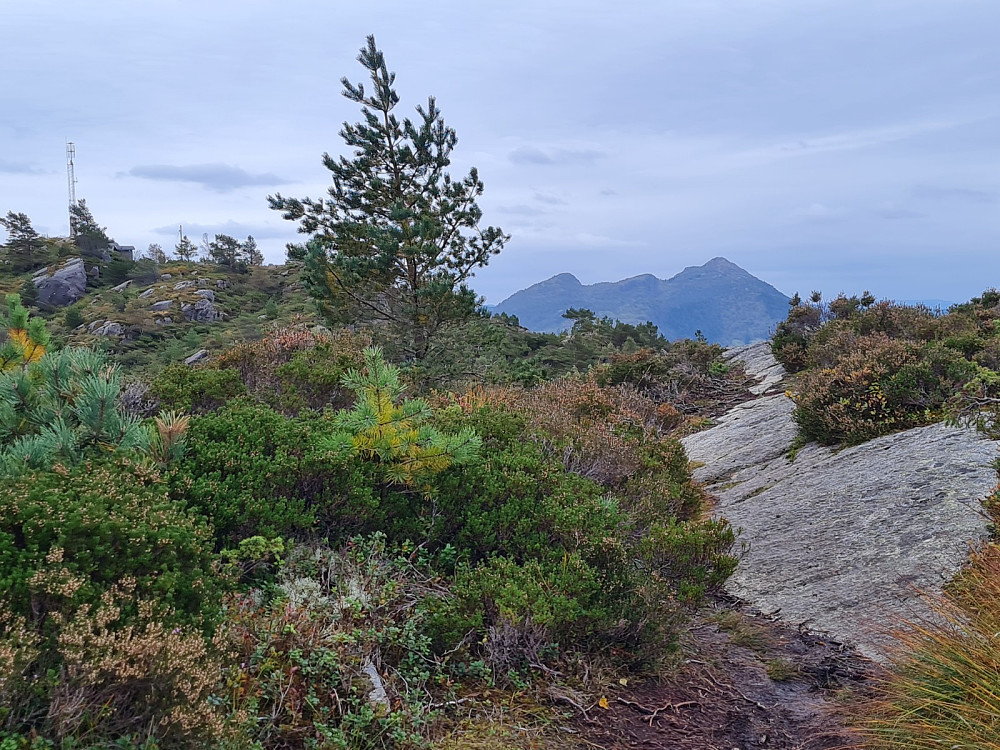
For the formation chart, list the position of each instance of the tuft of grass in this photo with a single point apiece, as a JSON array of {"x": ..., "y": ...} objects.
[
  {"x": 742, "y": 632},
  {"x": 780, "y": 670},
  {"x": 944, "y": 690}
]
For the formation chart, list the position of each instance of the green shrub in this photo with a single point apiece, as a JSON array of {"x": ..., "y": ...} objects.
[
  {"x": 195, "y": 389},
  {"x": 295, "y": 368},
  {"x": 73, "y": 318},
  {"x": 99, "y": 524},
  {"x": 252, "y": 471}
]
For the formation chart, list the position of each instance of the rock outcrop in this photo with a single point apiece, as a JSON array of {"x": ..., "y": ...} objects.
[
  {"x": 62, "y": 287},
  {"x": 843, "y": 540},
  {"x": 202, "y": 311},
  {"x": 106, "y": 328}
]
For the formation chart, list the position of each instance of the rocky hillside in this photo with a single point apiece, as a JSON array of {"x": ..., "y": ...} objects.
[
  {"x": 843, "y": 541},
  {"x": 727, "y": 304},
  {"x": 166, "y": 314}
]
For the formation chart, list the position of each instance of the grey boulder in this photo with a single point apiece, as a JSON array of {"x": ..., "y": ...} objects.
[
  {"x": 108, "y": 328},
  {"x": 64, "y": 286},
  {"x": 202, "y": 311}
]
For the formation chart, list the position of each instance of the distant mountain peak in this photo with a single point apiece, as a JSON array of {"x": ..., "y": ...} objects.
[
  {"x": 727, "y": 303},
  {"x": 719, "y": 263}
]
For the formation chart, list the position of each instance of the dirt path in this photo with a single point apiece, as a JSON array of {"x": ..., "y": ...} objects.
[{"x": 749, "y": 682}]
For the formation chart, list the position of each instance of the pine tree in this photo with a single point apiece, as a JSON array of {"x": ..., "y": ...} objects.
[
  {"x": 63, "y": 408},
  {"x": 24, "y": 248},
  {"x": 26, "y": 339},
  {"x": 88, "y": 235},
  {"x": 185, "y": 249},
  {"x": 394, "y": 432},
  {"x": 155, "y": 253},
  {"x": 251, "y": 253},
  {"x": 397, "y": 239}
]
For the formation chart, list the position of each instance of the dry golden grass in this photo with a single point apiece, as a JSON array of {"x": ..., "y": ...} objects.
[{"x": 944, "y": 691}]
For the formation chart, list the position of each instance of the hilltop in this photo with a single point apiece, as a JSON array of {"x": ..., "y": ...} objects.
[{"x": 163, "y": 314}]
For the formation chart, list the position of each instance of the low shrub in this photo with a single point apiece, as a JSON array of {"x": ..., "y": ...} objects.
[
  {"x": 195, "y": 390},
  {"x": 338, "y": 657},
  {"x": 107, "y": 587},
  {"x": 295, "y": 368},
  {"x": 102, "y": 523}
]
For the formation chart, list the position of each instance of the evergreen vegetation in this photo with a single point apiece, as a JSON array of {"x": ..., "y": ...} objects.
[{"x": 398, "y": 238}]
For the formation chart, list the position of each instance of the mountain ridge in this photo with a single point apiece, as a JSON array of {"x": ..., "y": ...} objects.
[{"x": 723, "y": 301}]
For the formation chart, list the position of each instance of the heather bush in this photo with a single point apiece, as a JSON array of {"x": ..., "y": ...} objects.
[
  {"x": 110, "y": 674},
  {"x": 873, "y": 368},
  {"x": 102, "y": 523},
  {"x": 295, "y": 368},
  {"x": 690, "y": 377},
  {"x": 858, "y": 399},
  {"x": 107, "y": 587}
]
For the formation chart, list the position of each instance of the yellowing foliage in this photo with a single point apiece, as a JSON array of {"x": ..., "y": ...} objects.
[{"x": 26, "y": 339}]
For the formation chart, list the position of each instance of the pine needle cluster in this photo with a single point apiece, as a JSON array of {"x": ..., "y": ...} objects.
[
  {"x": 395, "y": 432},
  {"x": 26, "y": 339}
]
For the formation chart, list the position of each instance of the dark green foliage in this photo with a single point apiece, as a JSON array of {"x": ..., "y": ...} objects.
[
  {"x": 252, "y": 471},
  {"x": 28, "y": 293},
  {"x": 89, "y": 236},
  {"x": 100, "y": 523},
  {"x": 24, "y": 250},
  {"x": 117, "y": 270},
  {"x": 397, "y": 240},
  {"x": 195, "y": 390},
  {"x": 230, "y": 252},
  {"x": 72, "y": 318}
]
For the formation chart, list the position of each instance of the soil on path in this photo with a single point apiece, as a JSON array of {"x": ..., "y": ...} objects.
[{"x": 748, "y": 682}]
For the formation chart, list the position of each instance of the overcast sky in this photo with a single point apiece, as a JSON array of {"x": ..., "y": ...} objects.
[{"x": 830, "y": 144}]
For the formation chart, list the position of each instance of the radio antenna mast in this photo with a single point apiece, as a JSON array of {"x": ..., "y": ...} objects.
[{"x": 71, "y": 181}]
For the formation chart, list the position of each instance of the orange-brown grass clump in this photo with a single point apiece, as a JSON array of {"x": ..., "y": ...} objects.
[
  {"x": 944, "y": 690},
  {"x": 611, "y": 434},
  {"x": 296, "y": 367}
]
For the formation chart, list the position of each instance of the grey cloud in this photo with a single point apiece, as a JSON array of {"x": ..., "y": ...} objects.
[
  {"x": 533, "y": 155},
  {"x": 609, "y": 191},
  {"x": 221, "y": 178},
  {"x": 18, "y": 167},
  {"x": 522, "y": 210},
  {"x": 552, "y": 200},
  {"x": 965, "y": 195},
  {"x": 232, "y": 228}
]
